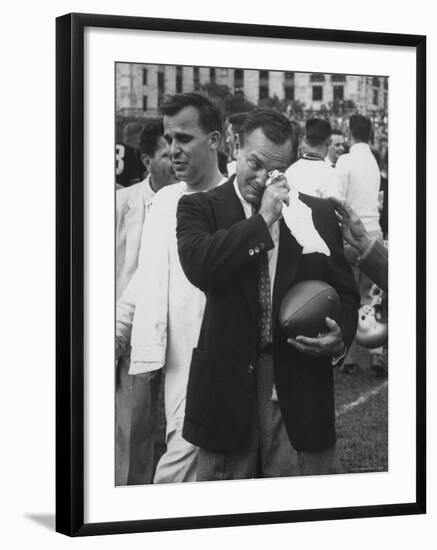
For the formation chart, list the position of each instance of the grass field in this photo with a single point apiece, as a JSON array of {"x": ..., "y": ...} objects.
[{"x": 362, "y": 420}]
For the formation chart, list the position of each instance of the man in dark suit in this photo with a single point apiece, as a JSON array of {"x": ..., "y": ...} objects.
[{"x": 259, "y": 404}]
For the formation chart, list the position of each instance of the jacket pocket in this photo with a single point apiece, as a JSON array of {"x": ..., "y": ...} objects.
[{"x": 199, "y": 386}]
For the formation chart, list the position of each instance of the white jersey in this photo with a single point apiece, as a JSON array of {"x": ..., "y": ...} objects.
[
  {"x": 360, "y": 179},
  {"x": 313, "y": 176}
]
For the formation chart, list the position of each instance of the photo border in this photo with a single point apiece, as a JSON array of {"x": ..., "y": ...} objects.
[{"x": 70, "y": 273}]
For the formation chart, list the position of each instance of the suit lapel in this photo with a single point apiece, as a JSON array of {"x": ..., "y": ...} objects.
[
  {"x": 229, "y": 212},
  {"x": 248, "y": 283},
  {"x": 229, "y": 208},
  {"x": 289, "y": 255}
]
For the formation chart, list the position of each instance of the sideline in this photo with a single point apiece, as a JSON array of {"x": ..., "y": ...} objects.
[{"x": 362, "y": 399}]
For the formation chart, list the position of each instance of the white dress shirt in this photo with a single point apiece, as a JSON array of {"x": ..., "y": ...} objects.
[
  {"x": 314, "y": 177},
  {"x": 360, "y": 180},
  {"x": 274, "y": 233}
]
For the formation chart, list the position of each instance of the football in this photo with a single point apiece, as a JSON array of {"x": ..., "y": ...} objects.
[{"x": 305, "y": 306}]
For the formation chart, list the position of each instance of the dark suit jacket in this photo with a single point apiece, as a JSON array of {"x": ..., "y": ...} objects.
[{"x": 216, "y": 248}]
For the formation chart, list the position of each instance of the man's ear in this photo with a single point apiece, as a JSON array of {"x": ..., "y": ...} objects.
[
  {"x": 146, "y": 160},
  {"x": 215, "y": 139},
  {"x": 237, "y": 144}
]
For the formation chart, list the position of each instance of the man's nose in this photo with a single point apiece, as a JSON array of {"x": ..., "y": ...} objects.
[{"x": 174, "y": 148}]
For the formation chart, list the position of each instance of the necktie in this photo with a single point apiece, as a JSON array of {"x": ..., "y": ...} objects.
[{"x": 264, "y": 302}]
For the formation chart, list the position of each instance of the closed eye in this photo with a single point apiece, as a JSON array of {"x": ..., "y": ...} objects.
[
  {"x": 184, "y": 138},
  {"x": 254, "y": 164}
]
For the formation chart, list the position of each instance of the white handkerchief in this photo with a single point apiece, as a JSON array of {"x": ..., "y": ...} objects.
[{"x": 298, "y": 218}]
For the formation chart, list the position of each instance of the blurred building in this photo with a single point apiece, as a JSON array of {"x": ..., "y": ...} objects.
[{"x": 140, "y": 88}]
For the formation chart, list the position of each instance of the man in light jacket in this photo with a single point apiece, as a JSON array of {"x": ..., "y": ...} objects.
[
  {"x": 160, "y": 312},
  {"x": 136, "y": 398}
]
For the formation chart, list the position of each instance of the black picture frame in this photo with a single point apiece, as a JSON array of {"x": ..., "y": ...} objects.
[{"x": 70, "y": 273}]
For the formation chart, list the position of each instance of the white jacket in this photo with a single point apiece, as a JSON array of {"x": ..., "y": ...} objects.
[
  {"x": 142, "y": 317},
  {"x": 132, "y": 207}
]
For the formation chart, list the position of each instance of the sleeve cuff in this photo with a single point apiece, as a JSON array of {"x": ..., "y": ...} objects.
[
  {"x": 148, "y": 354},
  {"x": 367, "y": 251},
  {"x": 338, "y": 359},
  {"x": 141, "y": 367}
]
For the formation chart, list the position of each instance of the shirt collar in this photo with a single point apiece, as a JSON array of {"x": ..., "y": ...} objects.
[
  {"x": 360, "y": 146},
  {"x": 312, "y": 156},
  {"x": 221, "y": 182},
  {"x": 149, "y": 193},
  {"x": 246, "y": 206}
]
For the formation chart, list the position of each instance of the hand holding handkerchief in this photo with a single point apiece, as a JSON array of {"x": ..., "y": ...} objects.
[{"x": 298, "y": 218}]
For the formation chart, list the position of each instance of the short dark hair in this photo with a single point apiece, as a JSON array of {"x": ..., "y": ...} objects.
[
  {"x": 336, "y": 132},
  {"x": 132, "y": 133},
  {"x": 274, "y": 125},
  {"x": 153, "y": 129},
  {"x": 360, "y": 127},
  {"x": 318, "y": 131},
  {"x": 210, "y": 116},
  {"x": 236, "y": 120}
]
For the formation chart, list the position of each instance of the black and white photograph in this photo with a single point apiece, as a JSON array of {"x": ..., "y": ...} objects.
[
  {"x": 215, "y": 275},
  {"x": 251, "y": 273},
  {"x": 224, "y": 208}
]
